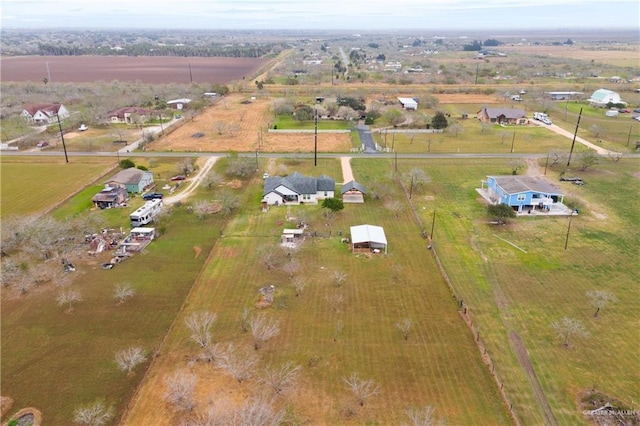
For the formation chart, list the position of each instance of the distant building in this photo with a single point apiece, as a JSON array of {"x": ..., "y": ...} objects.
[
  {"x": 44, "y": 113},
  {"x": 502, "y": 115},
  {"x": 408, "y": 103},
  {"x": 564, "y": 96},
  {"x": 602, "y": 97},
  {"x": 130, "y": 115},
  {"x": 178, "y": 104}
]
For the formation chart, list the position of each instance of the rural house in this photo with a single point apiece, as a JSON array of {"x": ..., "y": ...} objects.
[
  {"x": 524, "y": 194},
  {"x": 130, "y": 115},
  {"x": 408, "y": 103},
  {"x": 133, "y": 180},
  {"x": 564, "y": 96},
  {"x": 603, "y": 97},
  {"x": 297, "y": 189},
  {"x": 368, "y": 237},
  {"x": 178, "y": 104},
  {"x": 45, "y": 113},
  {"x": 502, "y": 115},
  {"x": 110, "y": 197},
  {"x": 352, "y": 192}
]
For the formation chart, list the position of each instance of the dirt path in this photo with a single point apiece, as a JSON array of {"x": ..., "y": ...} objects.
[
  {"x": 347, "y": 173},
  {"x": 563, "y": 132},
  {"x": 193, "y": 182},
  {"x": 525, "y": 363}
]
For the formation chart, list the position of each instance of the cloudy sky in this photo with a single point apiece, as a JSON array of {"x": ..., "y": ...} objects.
[{"x": 321, "y": 14}]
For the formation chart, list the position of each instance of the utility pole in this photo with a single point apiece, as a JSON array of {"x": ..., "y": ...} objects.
[
  {"x": 566, "y": 241},
  {"x": 315, "y": 145},
  {"x": 64, "y": 147},
  {"x": 513, "y": 140},
  {"x": 477, "y": 68},
  {"x": 396, "y": 162},
  {"x": 433, "y": 224},
  {"x": 190, "y": 75},
  {"x": 629, "y": 136},
  {"x": 546, "y": 164},
  {"x": 257, "y": 162},
  {"x": 574, "y": 138}
]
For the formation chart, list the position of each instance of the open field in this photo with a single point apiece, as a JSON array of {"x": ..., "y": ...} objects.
[
  {"x": 623, "y": 55},
  {"x": 49, "y": 181},
  {"x": 438, "y": 365},
  {"x": 57, "y": 360},
  {"x": 81, "y": 69}
]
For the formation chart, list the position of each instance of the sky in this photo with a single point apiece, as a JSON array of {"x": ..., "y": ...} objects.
[{"x": 356, "y": 15}]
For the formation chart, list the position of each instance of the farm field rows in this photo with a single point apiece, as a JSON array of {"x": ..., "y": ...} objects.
[{"x": 47, "y": 182}]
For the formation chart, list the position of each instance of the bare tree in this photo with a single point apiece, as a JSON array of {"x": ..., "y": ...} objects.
[
  {"x": 200, "y": 325},
  {"x": 263, "y": 329},
  {"x": 229, "y": 202},
  {"x": 596, "y": 130},
  {"x": 69, "y": 297},
  {"x": 291, "y": 268},
  {"x": 566, "y": 328},
  {"x": 267, "y": 256},
  {"x": 587, "y": 159},
  {"x": 335, "y": 300},
  {"x": 600, "y": 299},
  {"x": 245, "y": 319},
  {"x": 212, "y": 180},
  {"x": 424, "y": 417},
  {"x": 362, "y": 389},
  {"x": 299, "y": 284},
  {"x": 96, "y": 414},
  {"x": 556, "y": 157},
  {"x": 186, "y": 166},
  {"x": 181, "y": 386},
  {"x": 339, "y": 277},
  {"x": 258, "y": 411},
  {"x": 123, "y": 292},
  {"x": 128, "y": 359},
  {"x": 615, "y": 156},
  {"x": 280, "y": 379},
  {"x": 239, "y": 363},
  {"x": 395, "y": 206},
  {"x": 415, "y": 179},
  {"x": 338, "y": 330},
  {"x": 405, "y": 325},
  {"x": 516, "y": 164},
  {"x": 455, "y": 129}
]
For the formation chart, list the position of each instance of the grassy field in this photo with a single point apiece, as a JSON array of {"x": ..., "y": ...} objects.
[
  {"x": 439, "y": 364},
  {"x": 508, "y": 290},
  {"x": 48, "y": 181},
  {"x": 57, "y": 360},
  {"x": 290, "y": 123}
]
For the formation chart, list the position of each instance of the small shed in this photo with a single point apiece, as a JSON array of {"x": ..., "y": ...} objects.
[
  {"x": 352, "y": 192},
  {"x": 109, "y": 197},
  {"x": 408, "y": 103},
  {"x": 368, "y": 236}
]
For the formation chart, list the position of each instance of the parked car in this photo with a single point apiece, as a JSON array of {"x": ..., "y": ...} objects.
[
  {"x": 636, "y": 110},
  {"x": 42, "y": 144},
  {"x": 153, "y": 196},
  {"x": 178, "y": 177},
  {"x": 83, "y": 127}
]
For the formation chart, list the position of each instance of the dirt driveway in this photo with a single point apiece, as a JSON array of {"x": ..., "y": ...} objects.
[{"x": 193, "y": 182}]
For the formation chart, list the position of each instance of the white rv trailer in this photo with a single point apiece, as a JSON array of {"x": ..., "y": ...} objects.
[{"x": 147, "y": 213}]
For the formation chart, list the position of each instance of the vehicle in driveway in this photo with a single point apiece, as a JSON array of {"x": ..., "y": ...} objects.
[
  {"x": 152, "y": 196},
  {"x": 571, "y": 179},
  {"x": 42, "y": 144},
  {"x": 178, "y": 177}
]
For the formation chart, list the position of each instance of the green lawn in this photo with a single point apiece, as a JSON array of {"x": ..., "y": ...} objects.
[
  {"x": 508, "y": 290},
  {"x": 288, "y": 122},
  {"x": 33, "y": 185}
]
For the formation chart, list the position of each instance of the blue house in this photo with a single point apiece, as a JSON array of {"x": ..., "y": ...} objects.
[{"x": 523, "y": 193}]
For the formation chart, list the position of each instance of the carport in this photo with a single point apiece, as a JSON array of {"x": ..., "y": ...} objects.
[{"x": 368, "y": 237}]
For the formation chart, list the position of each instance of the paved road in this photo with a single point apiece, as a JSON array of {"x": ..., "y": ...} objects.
[{"x": 368, "y": 144}]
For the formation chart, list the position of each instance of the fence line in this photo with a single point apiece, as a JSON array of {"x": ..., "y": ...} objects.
[{"x": 463, "y": 310}]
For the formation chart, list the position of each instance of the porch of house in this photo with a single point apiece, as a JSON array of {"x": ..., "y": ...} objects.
[{"x": 545, "y": 207}]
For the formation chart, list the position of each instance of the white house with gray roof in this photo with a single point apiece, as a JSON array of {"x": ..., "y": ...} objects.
[{"x": 297, "y": 189}]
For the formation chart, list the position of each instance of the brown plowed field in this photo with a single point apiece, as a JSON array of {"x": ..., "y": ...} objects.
[
  {"x": 231, "y": 125},
  {"x": 86, "y": 69}
]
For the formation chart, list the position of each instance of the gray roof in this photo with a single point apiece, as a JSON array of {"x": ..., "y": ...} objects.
[
  {"x": 299, "y": 183},
  {"x": 516, "y": 184},
  {"x": 352, "y": 185},
  {"x": 131, "y": 176},
  {"x": 511, "y": 113}
]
